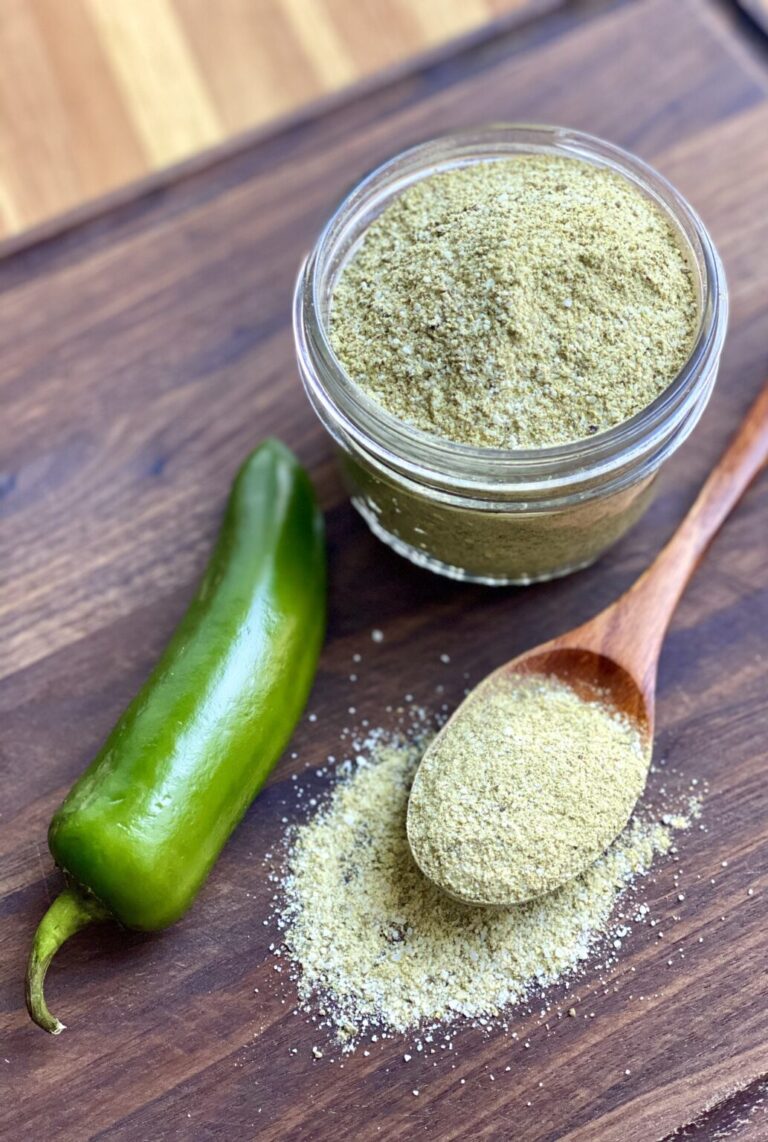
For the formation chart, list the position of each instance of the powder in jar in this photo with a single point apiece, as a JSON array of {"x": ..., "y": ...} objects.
[
  {"x": 516, "y": 303},
  {"x": 524, "y": 789},
  {"x": 377, "y": 946}
]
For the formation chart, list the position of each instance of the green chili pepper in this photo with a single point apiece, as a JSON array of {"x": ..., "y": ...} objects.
[{"x": 140, "y": 830}]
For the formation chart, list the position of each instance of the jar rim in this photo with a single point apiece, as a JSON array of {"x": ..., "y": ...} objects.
[{"x": 429, "y": 456}]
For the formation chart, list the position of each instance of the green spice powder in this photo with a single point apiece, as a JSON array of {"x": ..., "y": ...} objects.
[
  {"x": 378, "y": 946},
  {"x": 517, "y": 303},
  {"x": 525, "y": 788}
]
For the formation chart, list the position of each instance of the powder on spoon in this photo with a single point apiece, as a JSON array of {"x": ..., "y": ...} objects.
[
  {"x": 516, "y": 303},
  {"x": 524, "y": 789}
]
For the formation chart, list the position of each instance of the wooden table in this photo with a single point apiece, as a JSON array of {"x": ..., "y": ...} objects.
[
  {"x": 142, "y": 353},
  {"x": 95, "y": 93}
]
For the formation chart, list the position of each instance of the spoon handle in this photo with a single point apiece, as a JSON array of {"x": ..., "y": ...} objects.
[{"x": 647, "y": 607}]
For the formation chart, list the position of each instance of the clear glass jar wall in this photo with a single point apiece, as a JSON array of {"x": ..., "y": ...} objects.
[{"x": 482, "y": 514}]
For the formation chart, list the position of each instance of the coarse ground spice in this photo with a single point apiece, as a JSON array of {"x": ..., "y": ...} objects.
[
  {"x": 516, "y": 303},
  {"x": 520, "y": 546},
  {"x": 378, "y": 948},
  {"x": 527, "y": 786}
]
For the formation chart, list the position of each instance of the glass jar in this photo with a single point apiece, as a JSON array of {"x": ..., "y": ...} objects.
[{"x": 492, "y": 515}]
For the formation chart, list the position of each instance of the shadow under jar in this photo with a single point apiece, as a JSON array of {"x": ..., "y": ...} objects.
[{"x": 491, "y": 515}]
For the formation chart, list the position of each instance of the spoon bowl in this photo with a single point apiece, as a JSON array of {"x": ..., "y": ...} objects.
[
  {"x": 536, "y": 773},
  {"x": 590, "y": 673}
]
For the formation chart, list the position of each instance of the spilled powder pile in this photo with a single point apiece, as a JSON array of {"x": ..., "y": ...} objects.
[
  {"x": 529, "y": 785},
  {"x": 377, "y": 947},
  {"x": 516, "y": 303}
]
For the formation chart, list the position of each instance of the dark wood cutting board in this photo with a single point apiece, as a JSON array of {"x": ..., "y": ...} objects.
[{"x": 143, "y": 352}]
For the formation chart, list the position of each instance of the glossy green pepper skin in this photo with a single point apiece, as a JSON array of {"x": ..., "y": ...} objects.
[{"x": 140, "y": 830}]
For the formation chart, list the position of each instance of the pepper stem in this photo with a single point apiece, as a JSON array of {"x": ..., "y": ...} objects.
[{"x": 70, "y": 911}]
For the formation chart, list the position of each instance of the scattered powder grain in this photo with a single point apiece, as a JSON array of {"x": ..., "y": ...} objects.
[
  {"x": 527, "y": 786},
  {"x": 377, "y": 947},
  {"x": 516, "y": 303}
]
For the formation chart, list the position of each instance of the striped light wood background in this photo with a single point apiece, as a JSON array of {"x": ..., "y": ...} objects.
[{"x": 96, "y": 93}]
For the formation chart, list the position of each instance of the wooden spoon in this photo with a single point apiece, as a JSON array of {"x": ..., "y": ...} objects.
[{"x": 616, "y": 653}]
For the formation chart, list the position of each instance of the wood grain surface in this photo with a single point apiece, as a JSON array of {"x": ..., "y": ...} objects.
[
  {"x": 142, "y": 354},
  {"x": 96, "y": 93}
]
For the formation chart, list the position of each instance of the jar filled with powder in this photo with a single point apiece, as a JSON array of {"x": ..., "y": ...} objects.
[{"x": 507, "y": 332}]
